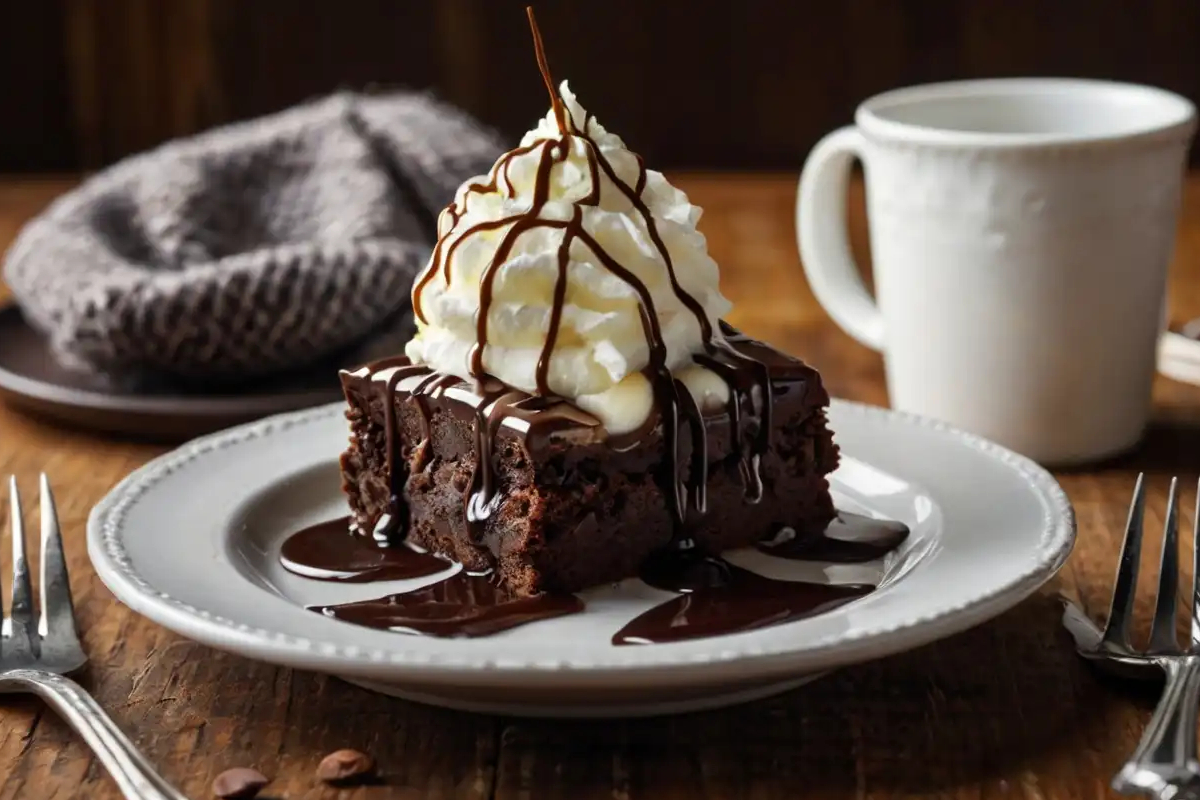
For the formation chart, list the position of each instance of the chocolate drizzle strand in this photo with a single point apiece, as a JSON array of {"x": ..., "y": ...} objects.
[
  {"x": 396, "y": 526},
  {"x": 539, "y": 51},
  {"x": 560, "y": 296},
  {"x": 483, "y": 498}
]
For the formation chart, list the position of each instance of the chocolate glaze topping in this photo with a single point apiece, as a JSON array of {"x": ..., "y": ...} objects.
[{"x": 496, "y": 403}]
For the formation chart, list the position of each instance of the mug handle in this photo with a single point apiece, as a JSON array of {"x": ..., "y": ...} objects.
[{"x": 822, "y": 237}]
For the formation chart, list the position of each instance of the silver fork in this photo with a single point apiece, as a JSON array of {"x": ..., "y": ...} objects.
[
  {"x": 36, "y": 655},
  {"x": 1164, "y": 765}
]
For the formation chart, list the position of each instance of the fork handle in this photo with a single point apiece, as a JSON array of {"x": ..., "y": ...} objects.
[
  {"x": 134, "y": 775},
  {"x": 1164, "y": 764}
]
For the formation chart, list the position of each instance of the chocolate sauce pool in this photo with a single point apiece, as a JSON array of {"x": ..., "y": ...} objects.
[
  {"x": 714, "y": 597},
  {"x": 740, "y": 601},
  {"x": 463, "y": 605},
  {"x": 330, "y": 551}
]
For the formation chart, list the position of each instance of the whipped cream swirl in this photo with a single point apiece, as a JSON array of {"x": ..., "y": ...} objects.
[{"x": 553, "y": 277}]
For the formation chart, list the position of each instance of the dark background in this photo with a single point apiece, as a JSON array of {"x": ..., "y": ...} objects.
[{"x": 748, "y": 84}]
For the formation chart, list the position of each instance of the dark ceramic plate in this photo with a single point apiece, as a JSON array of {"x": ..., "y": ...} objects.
[{"x": 33, "y": 381}]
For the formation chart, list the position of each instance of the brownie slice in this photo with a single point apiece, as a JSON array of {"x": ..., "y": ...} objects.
[{"x": 572, "y": 510}]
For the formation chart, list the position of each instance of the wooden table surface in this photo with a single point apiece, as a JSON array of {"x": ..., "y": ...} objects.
[{"x": 1004, "y": 710}]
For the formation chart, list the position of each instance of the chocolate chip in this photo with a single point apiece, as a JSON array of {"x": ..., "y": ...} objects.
[
  {"x": 239, "y": 782},
  {"x": 345, "y": 766}
]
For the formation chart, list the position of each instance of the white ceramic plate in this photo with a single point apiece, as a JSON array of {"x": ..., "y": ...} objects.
[{"x": 191, "y": 541}]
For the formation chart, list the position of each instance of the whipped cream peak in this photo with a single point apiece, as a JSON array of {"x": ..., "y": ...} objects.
[
  {"x": 579, "y": 120},
  {"x": 566, "y": 270}
]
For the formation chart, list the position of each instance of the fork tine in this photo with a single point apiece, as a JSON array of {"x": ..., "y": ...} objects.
[
  {"x": 1162, "y": 634},
  {"x": 20, "y": 612},
  {"x": 58, "y": 612},
  {"x": 1196, "y": 573},
  {"x": 1120, "y": 615}
]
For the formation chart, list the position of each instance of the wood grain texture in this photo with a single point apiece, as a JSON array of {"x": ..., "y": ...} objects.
[
  {"x": 1003, "y": 711},
  {"x": 35, "y": 103},
  {"x": 752, "y": 84}
]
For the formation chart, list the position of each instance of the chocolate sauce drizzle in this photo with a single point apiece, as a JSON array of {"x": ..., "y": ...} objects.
[
  {"x": 396, "y": 527},
  {"x": 749, "y": 382},
  {"x": 715, "y": 597}
]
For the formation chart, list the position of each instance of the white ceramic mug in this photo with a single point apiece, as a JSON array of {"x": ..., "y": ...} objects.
[{"x": 1020, "y": 232}]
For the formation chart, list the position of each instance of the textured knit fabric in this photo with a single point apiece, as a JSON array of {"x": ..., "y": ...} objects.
[{"x": 253, "y": 248}]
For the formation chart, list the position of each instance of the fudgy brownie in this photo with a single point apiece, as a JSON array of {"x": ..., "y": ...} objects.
[{"x": 559, "y": 505}]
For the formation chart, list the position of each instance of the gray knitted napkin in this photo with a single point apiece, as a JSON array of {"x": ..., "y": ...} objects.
[{"x": 250, "y": 249}]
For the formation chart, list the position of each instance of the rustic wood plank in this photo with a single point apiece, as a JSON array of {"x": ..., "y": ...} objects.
[
  {"x": 141, "y": 72},
  {"x": 750, "y": 85},
  {"x": 273, "y": 54},
  {"x": 85, "y": 83},
  {"x": 1004, "y": 710},
  {"x": 37, "y": 134}
]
